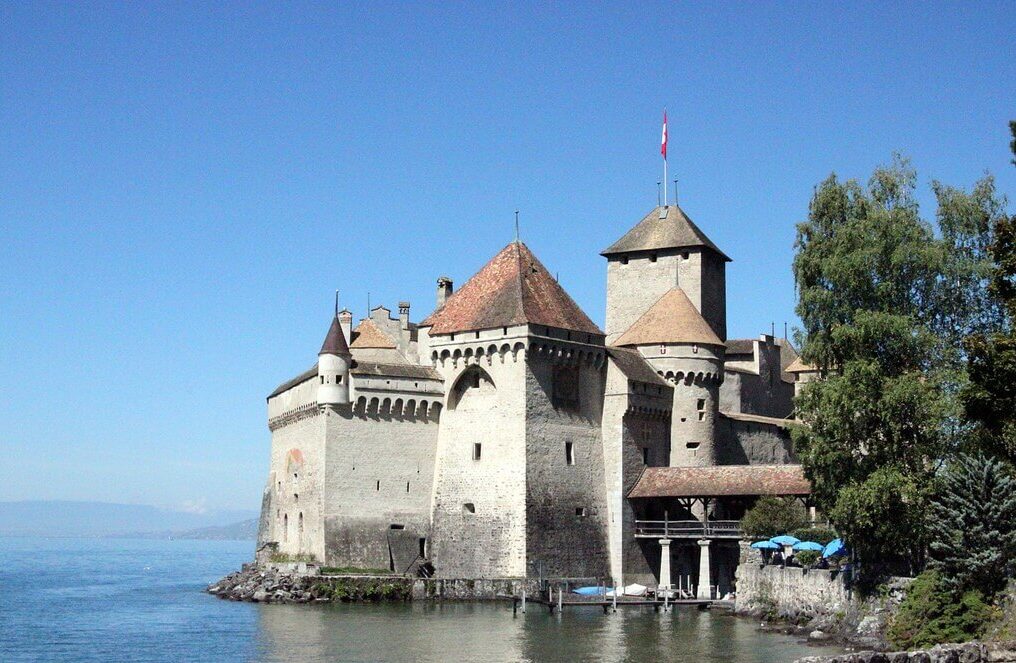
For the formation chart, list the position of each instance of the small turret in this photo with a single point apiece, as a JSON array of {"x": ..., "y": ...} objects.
[{"x": 334, "y": 362}]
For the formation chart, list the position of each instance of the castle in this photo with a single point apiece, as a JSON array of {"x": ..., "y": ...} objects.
[{"x": 506, "y": 435}]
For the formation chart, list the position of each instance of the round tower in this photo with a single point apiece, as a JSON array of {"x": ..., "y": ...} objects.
[
  {"x": 679, "y": 344},
  {"x": 334, "y": 362}
]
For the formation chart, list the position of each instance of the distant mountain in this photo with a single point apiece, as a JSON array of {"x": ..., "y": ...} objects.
[
  {"x": 245, "y": 530},
  {"x": 102, "y": 519}
]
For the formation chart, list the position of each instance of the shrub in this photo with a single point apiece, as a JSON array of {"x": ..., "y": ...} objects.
[
  {"x": 931, "y": 614},
  {"x": 772, "y": 516},
  {"x": 821, "y": 535},
  {"x": 807, "y": 557}
]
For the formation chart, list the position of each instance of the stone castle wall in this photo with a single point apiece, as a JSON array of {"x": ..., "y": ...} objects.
[
  {"x": 566, "y": 510},
  {"x": 479, "y": 526},
  {"x": 379, "y": 481}
]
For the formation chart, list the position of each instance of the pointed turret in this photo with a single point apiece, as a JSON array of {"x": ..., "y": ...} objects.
[{"x": 334, "y": 362}]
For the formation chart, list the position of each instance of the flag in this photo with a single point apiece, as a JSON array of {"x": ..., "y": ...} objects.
[{"x": 663, "y": 141}]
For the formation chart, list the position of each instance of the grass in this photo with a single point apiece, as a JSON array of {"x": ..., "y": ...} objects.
[
  {"x": 353, "y": 571},
  {"x": 282, "y": 558}
]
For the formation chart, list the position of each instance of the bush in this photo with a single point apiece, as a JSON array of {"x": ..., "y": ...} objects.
[
  {"x": 772, "y": 516},
  {"x": 821, "y": 535},
  {"x": 931, "y": 614},
  {"x": 807, "y": 557},
  {"x": 282, "y": 558}
]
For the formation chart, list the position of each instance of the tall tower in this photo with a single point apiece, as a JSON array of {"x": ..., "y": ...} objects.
[
  {"x": 665, "y": 250},
  {"x": 334, "y": 361}
]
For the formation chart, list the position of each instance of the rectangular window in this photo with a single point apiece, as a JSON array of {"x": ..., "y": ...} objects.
[
  {"x": 569, "y": 453},
  {"x": 477, "y": 450},
  {"x": 645, "y": 455},
  {"x": 580, "y": 511},
  {"x": 701, "y": 404}
]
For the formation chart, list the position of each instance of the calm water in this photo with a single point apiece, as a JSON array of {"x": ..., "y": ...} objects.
[{"x": 95, "y": 600}]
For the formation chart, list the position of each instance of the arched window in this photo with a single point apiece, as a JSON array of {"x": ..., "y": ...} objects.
[{"x": 473, "y": 378}]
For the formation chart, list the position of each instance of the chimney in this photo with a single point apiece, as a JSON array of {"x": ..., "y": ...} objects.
[
  {"x": 404, "y": 315},
  {"x": 346, "y": 322},
  {"x": 444, "y": 290}
]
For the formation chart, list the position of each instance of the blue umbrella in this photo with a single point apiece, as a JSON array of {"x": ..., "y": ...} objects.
[
  {"x": 785, "y": 540},
  {"x": 808, "y": 545},
  {"x": 834, "y": 548},
  {"x": 765, "y": 545}
]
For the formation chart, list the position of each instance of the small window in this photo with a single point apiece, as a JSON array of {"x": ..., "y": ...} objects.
[
  {"x": 285, "y": 527},
  {"x": 701, "y": 404},
  {"x": 701, "y": 416},
  {"x": 692, "y": 445},
  {"x": 694, "y": 348},
  {"x": 296, "y": 497},
  {"x": 477, "y": 450},
  {"x": 624, "y": 260},
  {"x": 295, "y": 476},
  {"x": 652, "y": 258},
  {"x": 580, "y": 511},
  {"x": 477, "y": 334},
  {"x": 338, "y": 379},
  {"x": 407, "y": 486},
  {"x": 645, "y": 455},
  {"x": 468, "y": 507},
  {"x": 684, "y": 255},
  {"x": 452, "y": 337},
  {"x": 377, "y": 485},
  {"x": 505, "y": 330},
  {"x": 423, "y": 547},
  {"x": 394, "y": 526},
  {"x": 322, "y": 379},
  {"x": 569, "y": 453}
]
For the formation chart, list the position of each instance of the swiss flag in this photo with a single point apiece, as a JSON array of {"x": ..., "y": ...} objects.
[{"x": 663, "y": 141}]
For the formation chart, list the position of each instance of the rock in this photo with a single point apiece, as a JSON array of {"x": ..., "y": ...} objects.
[
  {"x": 260, "y": 596},
  {"x": 817, "y": 635}
]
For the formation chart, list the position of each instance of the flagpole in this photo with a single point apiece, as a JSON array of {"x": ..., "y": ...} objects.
[
  {"x": 663, "y": 150},
  {"x": 664, "y": 179}
]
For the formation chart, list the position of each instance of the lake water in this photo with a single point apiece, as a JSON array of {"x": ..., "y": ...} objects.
[{"x": 125, "y": 600}]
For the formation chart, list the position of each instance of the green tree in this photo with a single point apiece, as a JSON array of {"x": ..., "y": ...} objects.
[
  {"x": 771, "y": 516},
  {"x": 883, "y": 518},
  {"x": 989, "y": 399},
  {"x": 972, "y": 529},
  {"x": 870, "y": 274}
]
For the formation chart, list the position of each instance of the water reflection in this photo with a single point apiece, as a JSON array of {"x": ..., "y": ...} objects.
[{"x": 488, "y": 632}]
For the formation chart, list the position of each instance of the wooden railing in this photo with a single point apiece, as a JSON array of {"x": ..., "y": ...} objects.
[{"x": 688, "y": 529}]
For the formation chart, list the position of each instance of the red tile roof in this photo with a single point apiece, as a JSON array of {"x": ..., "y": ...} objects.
[
  {"x": 672, "y": 319},
  {"x": 721, "y": 481},
  {"x": 369, "y": 335},
  {"x": 514, "y": 288}
]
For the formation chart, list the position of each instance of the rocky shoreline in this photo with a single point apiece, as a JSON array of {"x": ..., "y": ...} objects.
[{"x": 269, "y": 585}]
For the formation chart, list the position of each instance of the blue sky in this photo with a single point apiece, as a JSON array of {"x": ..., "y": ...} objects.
[{"x": 184, "y": 185}]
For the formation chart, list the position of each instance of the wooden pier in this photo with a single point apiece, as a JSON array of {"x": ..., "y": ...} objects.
[{"x": 611, "y": 604}]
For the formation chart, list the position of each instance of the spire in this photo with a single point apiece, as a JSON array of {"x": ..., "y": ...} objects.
[{"x": 335, "y": 341}]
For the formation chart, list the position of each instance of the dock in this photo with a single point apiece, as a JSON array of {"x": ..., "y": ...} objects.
[{"x": 611, "y": 604}]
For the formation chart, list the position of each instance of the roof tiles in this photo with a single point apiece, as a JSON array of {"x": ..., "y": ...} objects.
[
  {"x": 721, "y": 481},
  {"x": 671, "y": 231},
  {"x": 672, "y": 319},
  {"x": 514, "y": 288}
]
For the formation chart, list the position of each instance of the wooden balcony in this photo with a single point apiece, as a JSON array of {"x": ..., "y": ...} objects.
[{"x": 687, "y": 529}]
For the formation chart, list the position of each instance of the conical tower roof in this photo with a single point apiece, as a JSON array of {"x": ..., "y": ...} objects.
[
  {"x": 335, "y": 341},
  {"x": 663, "y": 228},
  {"x": 672, "y": 319},
  {"x": 514, "y": 288}
]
